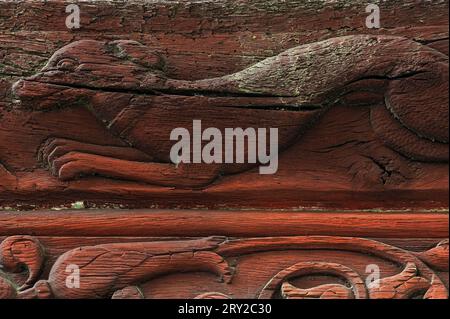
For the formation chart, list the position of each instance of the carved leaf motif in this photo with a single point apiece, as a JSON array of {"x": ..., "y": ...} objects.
[
  {"x": 436, "y": 257},
  {"x": 330, "y": 291},
  {"x": 436, "y": 290},
  {"x": 213, "y": 295},
  {"x": 402, "y": 286},
  {"x": 40, "y": 290},
  {"x": 130, "y": 292}
]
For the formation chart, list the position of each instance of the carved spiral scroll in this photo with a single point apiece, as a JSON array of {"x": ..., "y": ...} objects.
[
  {"x": 309, "y": 268},
  {"x": 17, "y": 252},
  {"x": 407, "y": 284}
]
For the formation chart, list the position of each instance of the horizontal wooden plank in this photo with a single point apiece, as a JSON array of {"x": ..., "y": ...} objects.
[{"x": 223, "y": 223}]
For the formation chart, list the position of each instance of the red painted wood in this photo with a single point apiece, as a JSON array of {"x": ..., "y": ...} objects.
[
  {"x": 85, "y": 118},
  {"x": 358, "y": 152},
  {"x": 229, "y": 223}
]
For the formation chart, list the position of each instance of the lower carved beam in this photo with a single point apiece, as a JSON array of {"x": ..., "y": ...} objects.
[{"x": 294, "y": 267}]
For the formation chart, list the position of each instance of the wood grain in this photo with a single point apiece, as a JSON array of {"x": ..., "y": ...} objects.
[
  {"x": 127, "y": 269},
  {"x": 363, "y": 153},
  {"x": 230, "y": 223},
  {"x": 358, "y": 208}
]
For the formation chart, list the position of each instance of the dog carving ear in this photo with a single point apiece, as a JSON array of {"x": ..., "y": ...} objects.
[{"x": 137, "y": 53}]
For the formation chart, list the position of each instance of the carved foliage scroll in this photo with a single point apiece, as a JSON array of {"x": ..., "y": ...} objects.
[{"x": 117, "y": 270}]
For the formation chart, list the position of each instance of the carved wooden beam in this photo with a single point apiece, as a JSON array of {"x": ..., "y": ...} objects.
[
  {"x": 253, "y": 261},
  {"x": 356, "y": 208},
  {"x": 359, "y": 112},
  {"x": 125, "y": 269}
]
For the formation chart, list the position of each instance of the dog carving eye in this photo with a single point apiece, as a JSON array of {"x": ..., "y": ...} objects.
[{"x": 67, "y": 64}]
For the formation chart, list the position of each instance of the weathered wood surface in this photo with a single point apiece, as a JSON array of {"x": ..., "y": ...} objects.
[
  {"x": 136, "y": 262},
  {"x": 189, "y": 223},
  {"x": 363, "y": 175},
  {"x": 357, "y": 155}
]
